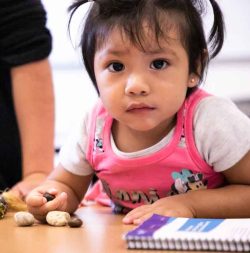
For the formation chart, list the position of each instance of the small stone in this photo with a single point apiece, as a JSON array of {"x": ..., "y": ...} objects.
[
  {"x": 3, "y": 210},
  {"x": 57, "y": 218},
  {"x": 48, "y": 196},
  {"x": 24, "y": 219},
  {"x": 75, "y": 222},
  {"x": 2, "y": 200}
]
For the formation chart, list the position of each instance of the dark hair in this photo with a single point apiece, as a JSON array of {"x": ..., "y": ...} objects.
[{"x": 129, "y": 15}]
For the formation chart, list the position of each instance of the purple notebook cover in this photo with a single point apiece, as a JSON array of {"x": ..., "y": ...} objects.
[{"x": 147, "y": 228}]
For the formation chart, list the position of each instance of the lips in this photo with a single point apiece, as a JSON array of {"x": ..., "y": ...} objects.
[{"x": 139, "y": 107}]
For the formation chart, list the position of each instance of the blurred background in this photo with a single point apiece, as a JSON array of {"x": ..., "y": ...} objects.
[{"x": 228, "y": 74}]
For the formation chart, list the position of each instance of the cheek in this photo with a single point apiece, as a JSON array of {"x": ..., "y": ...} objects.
[
  {"x": 108, "y": 97},
  {"x": 112, "y": 101},
  {"x": 173, "y": 89},
  {"x": 109, "y": 87},
  {"x": 104, "y": 81},
  {"x": 173, "y": 97}
]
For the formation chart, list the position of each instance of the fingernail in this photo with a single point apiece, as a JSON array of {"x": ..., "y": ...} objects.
[
  {"x": 52, "y": 190},
  {"x": 138, "y": 221},
  {"x": 63, "y": 194},
  {"x": 126, "y": 220}
]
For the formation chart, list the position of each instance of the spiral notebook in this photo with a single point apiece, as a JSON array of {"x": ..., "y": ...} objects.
[{"x": 168, "y": 233}]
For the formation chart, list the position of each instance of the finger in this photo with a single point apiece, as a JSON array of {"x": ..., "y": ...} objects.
[
  {"x": 35, "y": 200},
  {"x": 139, "y": 209},
  {"x": 142, "y": 219},
  {"x": 52, "y": 191},
  {"x": 40, "y": 212},
  {"x": 36, "y": 197},
  {"x": 58, "y": 203},
  {"x": 135, "y": 214}
]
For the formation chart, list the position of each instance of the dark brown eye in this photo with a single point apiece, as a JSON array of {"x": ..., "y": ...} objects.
[
  {"x": 116, "y": 67},
  {"x": 158, "y": 64}
]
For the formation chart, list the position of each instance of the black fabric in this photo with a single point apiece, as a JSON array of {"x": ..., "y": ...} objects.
[{"x": 23, "y": 38}]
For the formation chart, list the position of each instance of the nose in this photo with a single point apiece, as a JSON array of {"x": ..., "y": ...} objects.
[{"x": 137, "y": 86}]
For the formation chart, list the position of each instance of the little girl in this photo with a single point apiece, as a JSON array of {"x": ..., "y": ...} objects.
[{"x": 157, "y": 142}]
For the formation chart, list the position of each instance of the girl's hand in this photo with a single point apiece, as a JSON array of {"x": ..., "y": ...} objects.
[
  {"x": 175, "y": 206},
  {"x": 38, "y": 204}
]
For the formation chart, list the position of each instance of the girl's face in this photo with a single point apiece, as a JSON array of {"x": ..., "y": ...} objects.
[{"x": 141, "y": 90}]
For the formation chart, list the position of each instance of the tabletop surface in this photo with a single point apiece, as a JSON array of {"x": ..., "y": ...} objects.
[{"x": 101, "y": 233}]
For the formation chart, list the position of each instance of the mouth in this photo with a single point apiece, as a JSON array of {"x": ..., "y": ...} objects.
[{"x": 139, "y": 107}]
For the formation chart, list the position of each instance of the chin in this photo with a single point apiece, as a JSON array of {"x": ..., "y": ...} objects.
[{"x": 143, "y": 127}]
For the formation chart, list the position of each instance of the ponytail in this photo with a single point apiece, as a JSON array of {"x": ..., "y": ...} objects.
[{"x": 216, "y": 36}]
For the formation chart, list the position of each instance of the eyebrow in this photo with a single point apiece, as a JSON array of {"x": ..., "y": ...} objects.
[
  {"x": 122, "y": 52},
  {"x": 161, "y": 50},
  {"x": 115, "y": 52}
]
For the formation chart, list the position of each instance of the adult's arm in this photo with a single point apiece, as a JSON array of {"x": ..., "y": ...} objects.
[
  {"x": 34, "y": 105},
  {"x": 25, "y": 46}
]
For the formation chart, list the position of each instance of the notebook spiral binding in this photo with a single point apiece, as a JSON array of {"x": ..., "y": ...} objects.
[{"x": 188, "y": 244}]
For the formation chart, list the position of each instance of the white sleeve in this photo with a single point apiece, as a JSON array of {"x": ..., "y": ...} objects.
[
  {"x": 221, "y": 132},
  {"x": 73, "y": 153}
]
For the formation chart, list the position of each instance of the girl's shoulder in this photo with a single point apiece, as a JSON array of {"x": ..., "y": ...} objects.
[
  {"x": 220, "y": 129},
  {"x": 219, "y": 110},
  {"x": 210, "y": 102}
]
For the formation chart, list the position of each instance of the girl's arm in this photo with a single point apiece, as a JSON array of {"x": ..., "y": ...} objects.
[
  {"x": 74, "y": 185},
  {"x": 68, "y": 189},
  {"x": 230, "y": 201}
]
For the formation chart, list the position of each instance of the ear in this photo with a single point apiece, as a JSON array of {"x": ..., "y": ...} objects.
[
  {"x": 193, "y": 80},
  {"x": 194, "y": 77}
]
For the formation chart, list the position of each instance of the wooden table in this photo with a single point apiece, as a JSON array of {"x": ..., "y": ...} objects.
[{"x": 101, "y": 233}]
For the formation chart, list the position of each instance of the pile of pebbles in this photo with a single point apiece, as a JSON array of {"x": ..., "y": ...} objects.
[{"x": 53, "y": 218}]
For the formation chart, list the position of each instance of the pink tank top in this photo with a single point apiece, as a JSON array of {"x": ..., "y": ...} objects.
[{"x": 176, "y": 168}]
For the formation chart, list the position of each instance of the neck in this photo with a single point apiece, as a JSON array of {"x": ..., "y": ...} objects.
[{"x": 130, "y": 140}]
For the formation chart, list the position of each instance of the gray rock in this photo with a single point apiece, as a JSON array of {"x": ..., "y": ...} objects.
[{"x": 23, "y": 219}]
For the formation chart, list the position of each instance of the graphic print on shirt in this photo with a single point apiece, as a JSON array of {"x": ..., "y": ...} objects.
[
  {"x": 186, "y": 180},
  {"x": 98, "y": 145},
  {"x": 134, "y": 196},
  {"x": 183, "y": 181}
]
